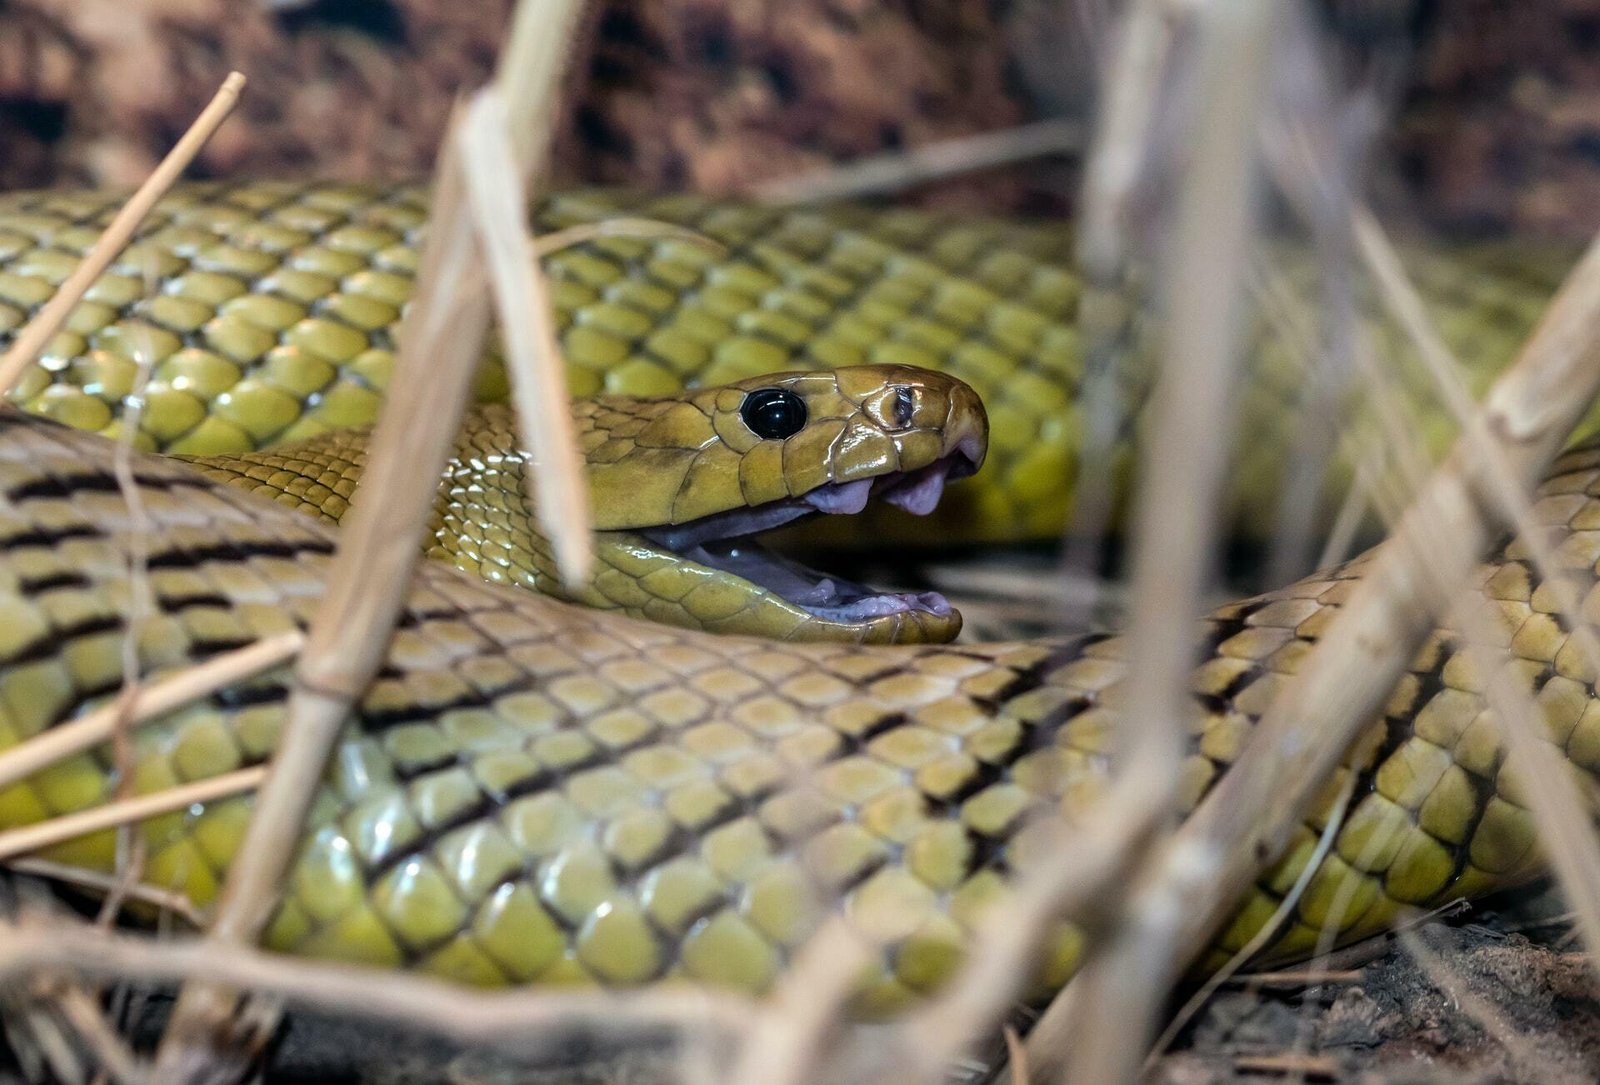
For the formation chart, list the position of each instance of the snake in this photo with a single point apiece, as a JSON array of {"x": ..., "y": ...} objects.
[{"x": 534, "y": 792}]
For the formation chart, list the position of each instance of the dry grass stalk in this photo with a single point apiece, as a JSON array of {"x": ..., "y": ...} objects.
[
  {"x": 1132, "y": 89},
  {"x": 44, "y": 834},
  {"x": 794, "y": 1036},
  {"x": 114, "y": 1058},
  {"x": 1547, "y": 780},
  {"x": 441, "y": 341},
  {"x": 1342, "y": 908},
  {"x": 1554, "y": 797},
  {"x": 624, "y": 226},
  {"x": 1269, "y": 929},
  {"x": 1082, "y": 885},
  {"x": 153, "y": 701},
  {"x": 1120, "y": 149},
  {"x": 1176, "y": 527},
  {"x": 136, "y": 614},
  {"x": 1016, "y": 1057},
  {"x": 1180, "y": 482},
  {"x": 1181, "y": 468},
  {"x": 876, "y": 175},
  {"x": 39, "y": 331},
  {"x": 499, "y": 205},
  {"x": 24, "y": 352},
  {"x": 1295, "y": 977},
  {"x": 1353, "y": 510},
  {"x": 1245, "y": 820},
  {"x": 163, "y": 900},
  {"x": 1565, "y": 829},
  {"x": 1324, "y": 1067},
  {"x": 1183, "y": 471},
  {"x": 524, "y": 1022},
  {"x": 528, "y": 78}
]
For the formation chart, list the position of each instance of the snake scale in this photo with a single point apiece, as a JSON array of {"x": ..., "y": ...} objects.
[{"x": 533, "y": 792}]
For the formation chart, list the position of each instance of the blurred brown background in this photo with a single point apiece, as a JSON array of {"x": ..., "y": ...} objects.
[{"x": 1495, "y": 104}]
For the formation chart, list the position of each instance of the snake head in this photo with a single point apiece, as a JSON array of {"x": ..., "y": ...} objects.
[
  {"x": 695, "y": 477},
  {"x": 681, "y": 485}
]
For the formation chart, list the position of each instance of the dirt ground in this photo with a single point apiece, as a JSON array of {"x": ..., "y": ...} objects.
[
  {"x": 1496, "y": 998},
  {"x": 1494, "y": 107},
  {"x": 1486, "y": 1006}
]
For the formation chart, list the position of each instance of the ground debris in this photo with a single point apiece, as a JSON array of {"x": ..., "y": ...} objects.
[{"x": 1488, "y": 1006}]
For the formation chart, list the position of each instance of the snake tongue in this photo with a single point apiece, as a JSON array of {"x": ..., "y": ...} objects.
[
  {"x": 841, "y": 498},
  {"x": 919, "y": 492}
]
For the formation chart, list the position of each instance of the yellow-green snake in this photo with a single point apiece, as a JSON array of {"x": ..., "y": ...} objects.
[{"x": 536, "y": 793}]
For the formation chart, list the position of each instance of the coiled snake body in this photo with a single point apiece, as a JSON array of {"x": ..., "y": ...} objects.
[{"x": 532, "y": 792}]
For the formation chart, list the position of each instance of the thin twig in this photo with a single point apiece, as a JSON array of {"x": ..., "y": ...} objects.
[
  {"x": 1245, "y": 820},
  {"x": 1295, "y": 977},
  {"x": 441, "y": 339},
  {"x": 791, "y": 1040},
  {"x": 1269, "y": 929},
  {"x": 44, "y": 834},
  {"x": 1318, "y": 1066},
  {"x": 114, "y": 1057},
  {"x": 878, "y": 174},
  {"x": 499, "y": 201},
  {"x": 525, "y": 1022},
  {"x": 154, "y": 700},
  {"x": 136, "y": 614},
  {"x": 1559, "y": 811},
  {"x": 1181, "y": 480},
  {"x": 39, "y": 331},
  {"x": 639, "y": 229},
  {"x": 163, "y": 900}
]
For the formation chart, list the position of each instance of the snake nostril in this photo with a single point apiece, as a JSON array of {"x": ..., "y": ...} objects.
[{"x": 902, "y": 405}]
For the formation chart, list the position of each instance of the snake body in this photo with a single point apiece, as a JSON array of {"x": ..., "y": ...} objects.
[{"x": 535, "y": 793}]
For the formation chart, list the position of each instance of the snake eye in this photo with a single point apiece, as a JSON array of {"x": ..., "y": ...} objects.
[{"x": 773, "y": 413}]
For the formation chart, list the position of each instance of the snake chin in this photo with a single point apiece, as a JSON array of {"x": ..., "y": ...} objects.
[{"x": 726, "y": 541}]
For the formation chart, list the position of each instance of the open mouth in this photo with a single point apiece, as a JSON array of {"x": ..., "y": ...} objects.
[{"x": 727, "y": 541}]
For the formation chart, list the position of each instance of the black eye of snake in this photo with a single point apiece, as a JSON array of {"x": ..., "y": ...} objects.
[{"x": 773, "y": 413}]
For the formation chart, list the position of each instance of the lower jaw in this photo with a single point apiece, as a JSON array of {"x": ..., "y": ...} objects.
[
  {"x": 643, "y": 579},
  {"x": 780, "y": 620}
]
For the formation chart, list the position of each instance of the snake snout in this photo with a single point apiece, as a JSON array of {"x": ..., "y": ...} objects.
[{"x": 966, "y": 429}]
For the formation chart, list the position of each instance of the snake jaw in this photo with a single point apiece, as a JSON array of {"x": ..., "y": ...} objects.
[{"x": 726, "y": 542}]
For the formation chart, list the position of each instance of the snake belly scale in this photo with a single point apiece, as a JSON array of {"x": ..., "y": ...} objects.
[{"x": 536, "y": 793}]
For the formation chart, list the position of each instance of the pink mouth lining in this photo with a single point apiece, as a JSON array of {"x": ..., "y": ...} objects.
[{"x": 725, "y": 541}]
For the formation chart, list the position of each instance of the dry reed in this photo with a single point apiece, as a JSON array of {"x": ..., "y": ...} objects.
[
  {"x": 441, "y": 341},
  {"x": 1246, "y": 818},
  {"x": 876, "y": 175},
  {"x": 24, "y": 350}
]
